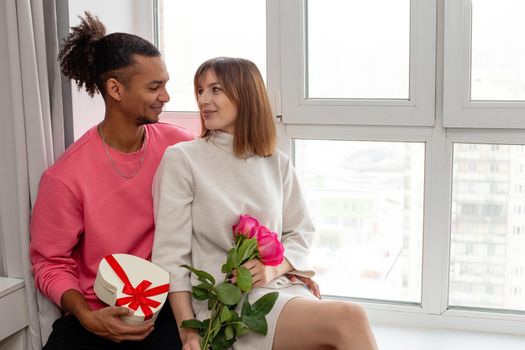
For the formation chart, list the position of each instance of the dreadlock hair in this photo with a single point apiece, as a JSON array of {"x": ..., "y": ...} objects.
[{"x": 90, "y": 57}]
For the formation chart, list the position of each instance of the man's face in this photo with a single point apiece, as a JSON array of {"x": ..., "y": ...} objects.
[{"x": 145, "y": 94}]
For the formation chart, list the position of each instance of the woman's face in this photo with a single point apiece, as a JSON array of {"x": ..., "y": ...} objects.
[{"x": 217, "y": 110}]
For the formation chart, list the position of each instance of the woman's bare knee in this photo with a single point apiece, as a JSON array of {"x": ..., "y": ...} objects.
[
  {"x": 353, "y": 314},
  {"x": 323, "y": 325},
  {"x": 352, "y": 327}
]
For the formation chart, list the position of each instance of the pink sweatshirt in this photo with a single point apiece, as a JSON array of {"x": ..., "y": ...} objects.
[{"x": 85, "y": 210}]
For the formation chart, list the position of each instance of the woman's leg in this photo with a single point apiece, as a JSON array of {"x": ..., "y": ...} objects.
[{"x": 321, "y": 324}]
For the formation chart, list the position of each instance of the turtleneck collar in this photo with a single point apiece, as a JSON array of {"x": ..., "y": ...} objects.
[{"x": 222, "y": 140}]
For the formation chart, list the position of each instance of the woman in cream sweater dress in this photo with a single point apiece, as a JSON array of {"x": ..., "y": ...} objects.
[{"x": 201, "y": 188}]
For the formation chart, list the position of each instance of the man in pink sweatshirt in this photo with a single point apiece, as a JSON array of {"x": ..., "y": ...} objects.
[{"x": 96, "y": 199}]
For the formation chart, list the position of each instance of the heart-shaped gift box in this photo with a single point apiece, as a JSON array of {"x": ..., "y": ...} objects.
[{"x": 132, "y": 282}]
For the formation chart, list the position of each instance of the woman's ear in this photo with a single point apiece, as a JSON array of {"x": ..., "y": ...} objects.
[{"x": 114, "y": 89}]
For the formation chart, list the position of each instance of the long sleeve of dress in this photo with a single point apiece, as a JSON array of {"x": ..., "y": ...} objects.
[
  {"x": 172, "y": 199},
  {"x": 298, "y": 229},
  {"x": 56, "y": 224}
]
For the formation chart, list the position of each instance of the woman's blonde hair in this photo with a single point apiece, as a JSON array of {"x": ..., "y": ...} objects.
[{"x": 243, "y": 84}]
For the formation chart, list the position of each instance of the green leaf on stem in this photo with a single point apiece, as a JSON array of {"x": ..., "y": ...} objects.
[
  {"x": 193, "y": 323},
  {"x": 240, "y": 329},
  {"x": 247, "y": 249},
  {"x": 226, "y": 268},
  {"x": 233, "y": 258},
  {"x": 238, "y": 240},
  {"x": 256, "y": 323},
  {"x": 228, "y": 293},
  {"x": 206, "y": 285},
  {"x": 205, "y": 325},
  {"x": 212, "y": 301},
  {"x": 264, "y": 304},
  {"x": 216, "y": 327},
  {"x": 200, "y": 293},
  {"x": 234, "y": 316},
  {"x": 229, "y": 332},
  {"x": 244, "y": 279},
  {"x": 246, "y": 307},
  {"x": 203, "y": 275},
  {"x": 220, "y": 342},
  {"x": 225, "y": 314}
]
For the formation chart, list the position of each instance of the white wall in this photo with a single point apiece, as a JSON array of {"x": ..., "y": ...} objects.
[
  {"x": 8, "y": 156},
  {"x": 10, "y": 321},
  {"x": 130, "y": 16},
  {"x": 5, "y": 102}
]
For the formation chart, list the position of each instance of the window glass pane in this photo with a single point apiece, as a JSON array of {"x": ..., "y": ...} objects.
[
  {"x": 487, "y": 268},
  {"x": 366, "y": 199},
  {"x": 498, "y": 50},
  {"x": 358, "y": 49},
  {"x": 191, "y": 32}
]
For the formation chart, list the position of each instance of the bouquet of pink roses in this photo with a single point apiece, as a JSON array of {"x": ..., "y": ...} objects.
[{"x": 225, "y": 325}]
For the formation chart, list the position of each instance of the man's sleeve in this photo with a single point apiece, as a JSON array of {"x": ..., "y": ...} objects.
[{"x": 56, "y": 225}]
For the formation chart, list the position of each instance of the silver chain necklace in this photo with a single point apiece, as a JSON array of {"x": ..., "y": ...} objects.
[{"x": 114, "y": 163}]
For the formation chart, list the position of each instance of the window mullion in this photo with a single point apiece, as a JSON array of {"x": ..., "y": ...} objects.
[
  {"x": 436, "y": 236},
  {"x": 273, "y": 54}
]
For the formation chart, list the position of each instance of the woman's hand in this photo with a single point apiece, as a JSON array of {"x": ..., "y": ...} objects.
[
  {"x": 190, "y": 339},
  {"x": 180, "y": 303},
  {"x": 261, "y": 274},
  {"x": 314, "y": 287}
]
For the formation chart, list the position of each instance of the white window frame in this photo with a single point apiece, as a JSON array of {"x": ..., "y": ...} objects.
[
  {"x": 389, "y": 122},
  {"x": 273, "y": 64},
  {"x": 433, "y": 311},
  {"x": 492, "y": 320},
  {"x": 459, "y": 110},
  {"x": 417, "y": 110}
]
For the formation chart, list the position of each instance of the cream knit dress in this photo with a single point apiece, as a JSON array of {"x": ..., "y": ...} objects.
[{"x": 200, "y": 190}]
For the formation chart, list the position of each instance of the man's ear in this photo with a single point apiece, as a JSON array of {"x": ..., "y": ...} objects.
[{"x": 114, "y": 88}]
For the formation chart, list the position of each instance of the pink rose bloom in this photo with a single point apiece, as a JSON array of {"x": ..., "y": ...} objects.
[
  {"x": 245, "y": 226},
  {"x": 271, "y": 250}
]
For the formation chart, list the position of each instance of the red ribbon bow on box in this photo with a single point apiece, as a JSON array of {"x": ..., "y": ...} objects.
[{"x": 138, "y": 295}]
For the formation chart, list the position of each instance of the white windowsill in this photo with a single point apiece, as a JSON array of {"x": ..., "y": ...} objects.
[
  {"x": 8, "y": 285},
  {"x": 415, "y": 338},
  {"x": 13, "y": 306}
]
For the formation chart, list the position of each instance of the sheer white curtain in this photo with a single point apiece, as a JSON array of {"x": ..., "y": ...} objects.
[{"x": 31, "y": 138}]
